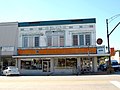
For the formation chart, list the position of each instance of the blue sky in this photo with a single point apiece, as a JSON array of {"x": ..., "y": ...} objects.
[{"x": 43, "y": 10}]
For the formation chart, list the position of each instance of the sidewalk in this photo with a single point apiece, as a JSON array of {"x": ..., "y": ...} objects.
[
  {"x": 101, "y": 73},
  {"x": 85, "y": 73}
]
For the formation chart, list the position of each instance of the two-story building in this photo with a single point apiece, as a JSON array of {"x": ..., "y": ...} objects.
[
  {"x": 58, "y": 47},
  {"x": 8, "y": 43}
]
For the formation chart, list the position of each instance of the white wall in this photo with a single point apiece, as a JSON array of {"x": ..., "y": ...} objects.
[
  {"x": 116, "y": 57},
  {"x": 9, "y": 37},
  {"x": 68, "y": 32}
]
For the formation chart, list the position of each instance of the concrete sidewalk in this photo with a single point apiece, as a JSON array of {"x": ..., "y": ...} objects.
[{"x": 82, "y": 74}]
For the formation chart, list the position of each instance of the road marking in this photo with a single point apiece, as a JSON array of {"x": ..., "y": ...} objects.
[{"x": 116, "y": 83}]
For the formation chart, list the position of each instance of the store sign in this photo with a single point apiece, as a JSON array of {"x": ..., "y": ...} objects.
[
  {"x": 101, "y": 50},
  {"x": 8, "y": 49}
]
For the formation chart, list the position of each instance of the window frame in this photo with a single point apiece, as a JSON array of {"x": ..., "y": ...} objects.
[
  {"x": 52, "y": 36},
  {"x": 38, "y": 43},
  {"x": 84, "y": 39},
  {"x": 25, "y": 43}
]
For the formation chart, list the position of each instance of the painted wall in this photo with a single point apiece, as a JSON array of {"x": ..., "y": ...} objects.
[
  {"x": 9, "y": 38},
  {"x": 66, "y": 28},
  {"x": 116, "y": 57}
]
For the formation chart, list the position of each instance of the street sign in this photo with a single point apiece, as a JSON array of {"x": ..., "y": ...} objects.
[{"x": 99, "y": 41}]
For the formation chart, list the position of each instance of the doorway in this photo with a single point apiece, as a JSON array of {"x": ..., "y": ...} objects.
[
  {"x": 46, "y": 65},
  {"x": 87, "y": 64}
]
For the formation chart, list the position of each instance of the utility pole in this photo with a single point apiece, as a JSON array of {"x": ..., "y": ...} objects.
[{"x": 108, "y": 39}]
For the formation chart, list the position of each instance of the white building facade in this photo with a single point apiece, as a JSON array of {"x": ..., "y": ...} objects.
[{"x": 58, "y": 47}]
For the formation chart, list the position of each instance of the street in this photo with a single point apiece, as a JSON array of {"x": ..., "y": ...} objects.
[{"x": 87, "y": 82}]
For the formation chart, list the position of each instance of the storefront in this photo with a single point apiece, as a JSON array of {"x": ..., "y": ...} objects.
[
  {"x": 6, "y": 61},
  {"x": 53, "y": 64},
  {"x": 47, "y": 66}
]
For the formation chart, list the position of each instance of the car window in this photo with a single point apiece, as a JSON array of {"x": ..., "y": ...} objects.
[
  {"x": 6, "y": 68},
  {"x": 12, "y": 67},
  {"x": 114, "y": 63}
]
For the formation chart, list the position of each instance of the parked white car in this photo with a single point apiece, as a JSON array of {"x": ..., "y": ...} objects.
[{"x": 11, "y": 70}]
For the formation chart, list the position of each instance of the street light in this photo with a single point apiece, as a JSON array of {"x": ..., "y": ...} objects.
[{"x": 108, "y": 35}]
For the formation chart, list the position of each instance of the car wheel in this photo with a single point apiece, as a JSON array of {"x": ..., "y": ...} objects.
[
  {"x": 102, "y": 68},
  {"x": 2, "y": 74},
  {"x": 6, "y": 74}
]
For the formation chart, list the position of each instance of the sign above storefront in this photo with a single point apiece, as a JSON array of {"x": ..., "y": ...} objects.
[
  {"x": 101, "y": 50},
  {"x": 8, "y": 49},
  {"x": 54, "y": 51}
]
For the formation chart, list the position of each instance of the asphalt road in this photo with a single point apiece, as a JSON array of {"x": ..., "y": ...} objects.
[{"x": 88, "y": 82}]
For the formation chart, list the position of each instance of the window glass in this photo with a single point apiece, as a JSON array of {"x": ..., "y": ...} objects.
[
  {"x": 75, "y": 40},
  {"x": 80, "y": 26},
  {"x": 30, "y": 41},
  {"x": 31, "y": 28},
  {"x": 61, "y": 62},
  {"x": 40, "y": 28},
  {"x": 61, "y": 40},
  {"x": 87, "y": 39},
  {"x": 55, "y": 38},
  {"x": 36, "y": 41},
  {"x": 49, "y": 40},
  {"x": 66, "y": 63},
  {"x": 91, "y": 26},
  {"x": 71, "y": 62},
  {"x": 25, "y": 41},
  {"x": 31, "y": 64},
  {"x": 22, "y": 29},
  {"x": 81, "y": 39}
]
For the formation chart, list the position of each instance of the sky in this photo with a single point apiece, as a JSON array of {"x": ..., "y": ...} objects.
[{"x": 44, "y": 10}]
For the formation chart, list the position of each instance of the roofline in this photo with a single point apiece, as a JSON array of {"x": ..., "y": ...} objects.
[
  {"x": 57, "y": 22},
  {"x": 8, "y": 23}
]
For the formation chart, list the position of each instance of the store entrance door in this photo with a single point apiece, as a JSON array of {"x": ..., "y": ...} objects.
[
  {"x": 46, "y": 65},
  {"x": 86, "y": 64}
]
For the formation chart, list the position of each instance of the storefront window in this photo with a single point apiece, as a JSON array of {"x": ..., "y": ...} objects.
[
  {"x": 71, "y": 62},
  {"x": 61, "y": 63},
  {"x": 66, "y": 63},
  {"x": 31, "y": 65}
]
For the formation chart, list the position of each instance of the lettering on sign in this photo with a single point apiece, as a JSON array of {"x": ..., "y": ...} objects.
[{"x": 9, "y": 48}]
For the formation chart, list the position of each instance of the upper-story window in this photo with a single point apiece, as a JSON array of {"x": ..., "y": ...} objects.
[
  {"x": 80, "y": 26},
  {"x": 55, "y": 38},
  {"x": 31, "y": 28},
  {"x": 29, "y": 41},
  {"x": 36, "y": 41},
  {"x": 75, "y": 40},
  {"x": 39, "y": 28},
  {"x": 91, "y": 26},
  {"x": 81, "y": 39},
  {"x": 70, "y": 27},
  {"x": 22, "y": 29},
  {"x": 25, "y": 41},
  {"x": 87, "y": 39}
]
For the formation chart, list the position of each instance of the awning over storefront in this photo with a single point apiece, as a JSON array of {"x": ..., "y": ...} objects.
[{"x": 52, "y": 56}]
